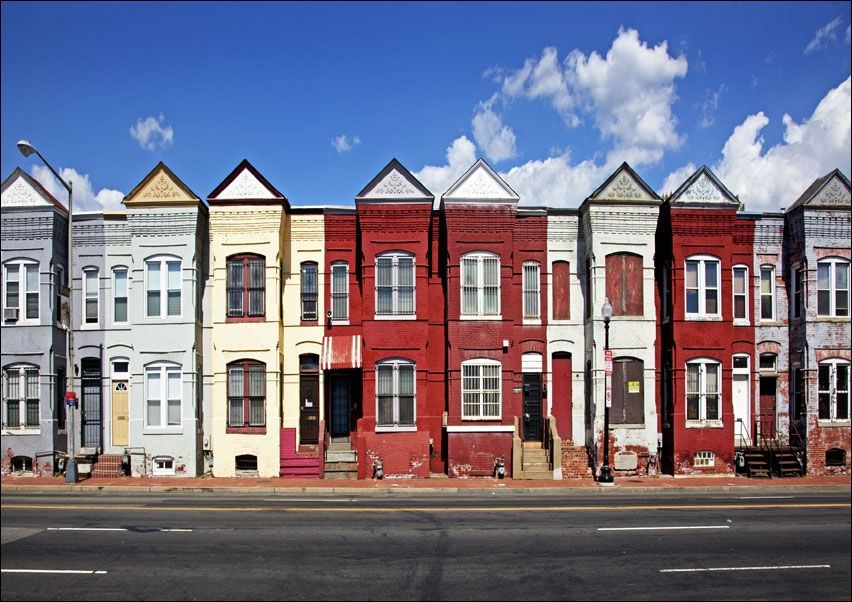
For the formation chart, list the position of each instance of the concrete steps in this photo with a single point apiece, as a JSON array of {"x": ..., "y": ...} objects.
[{"x": 535, "y": 465}]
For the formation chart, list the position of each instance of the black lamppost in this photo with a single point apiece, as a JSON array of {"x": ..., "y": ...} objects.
[
  {"x": 26, "y": 148},
  {"x": 605, "y": 477}
]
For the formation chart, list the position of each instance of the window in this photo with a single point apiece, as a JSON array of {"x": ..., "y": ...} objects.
[
  {"x": 703, "y": 384},
  {"x": 666, "y": 295},
  {"x": 395, "y": 285},
  {"x": 21, "y": 282},
  {"x": 309, "y": 291},
  {"x": 798, "y": 292},
  {"x": 704, "y": 459},
  {"x": 340, "y": 291},
  {"x": 702, "y": 287},
  {"x": 164, "y": 466},
  {"x": 162, "y": 287},
  {"x": 767, "y": 293},
  {"x": 561, "y": 290},
  {"x": 395, "y": 394},
  {"x": 21, "y": 397},
  {"x": 61, "y": 286},
  {"x": 246, "y": 394},
  {"x": 834, "y": 390},
  {"x": 246, "y": 286},
  {"x": 624, "y": 284},
  {"x": 119, "y": 295},
  {"x": 767, "y": 362},
  {"x": 833, "y": 288},
  {"x": 532, "y": 285},
  {"x": 740, "y": 286},
  {"x": 163, "y": 396},
  {"x": 480, "y": 285},
  {"x": 481, "y": 390},
  {"x": 90, "y": 292}
]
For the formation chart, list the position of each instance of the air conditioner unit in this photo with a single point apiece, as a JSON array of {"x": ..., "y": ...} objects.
[{"x": 10, "y": 313}]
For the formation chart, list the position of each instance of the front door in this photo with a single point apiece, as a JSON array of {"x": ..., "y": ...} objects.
[
  {"x": 309, "y": 399},
  {"x": 742, "y": 415},
  {"x": 120, "y": 414},
  {"x": 339, "y": 409},
  {"x": 767, "y": 406},
  {"x": 90, "y": 404},
  {"x": 533, "y": 422}
]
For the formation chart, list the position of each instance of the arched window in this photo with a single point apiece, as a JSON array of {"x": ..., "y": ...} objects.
[
  {"x": 163, "y": 287},
  {"x": 703, "y": 390},
  {"x": 21, "y": 397},
  {"x": 833, "y": 287},
  {"x": 834, "y": 390},
  {"x": 480, "y": 285},
  {"x": 701, "y": 282},
  {"x": 246, "y": 286},
  {"x": 21, "y": 288},
  {"x": 395, "y": 284},
  {"x": 395, "y": 394},
  {"x": 163, "y": 395},
  {"x": 308, "y": 280},
  {"x": 246, "y": 394}
]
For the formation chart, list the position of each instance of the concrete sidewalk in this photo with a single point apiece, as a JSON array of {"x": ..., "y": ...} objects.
[{"x": 438, "y": 484}]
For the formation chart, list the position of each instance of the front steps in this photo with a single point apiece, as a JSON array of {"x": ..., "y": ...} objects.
[
  {"x": 341, "y": 462},
  {"x": 535, "y": 465}
]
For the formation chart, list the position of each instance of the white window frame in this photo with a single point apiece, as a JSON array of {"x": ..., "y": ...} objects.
[
  {"x": 836, "y": 369},
  {"x": 91, "y": 297},
  {"x": 309, "y": 291},
  {"x": 475, "y": 285},
  {"x": 397, "y": 285},
  {"x": 163, "y": 466},
  {"x": 703, "y": 368},
  {"x": 704, "y": 459},
  {"x": 168, "y": 410},
  {"x": 394, "y": 369},
  {"x": 833, "y": 296},
  {"x": 705, "y": 265},
  {"x": 739, "y": 289},
  {"x": 28, "y": 282},
  {"x": 767, "y": 292},
  {"x": 25, "y": 378},
  {"x": 165, "y": 263},
  {"x": 481, "y": 389},
  {"x": 769, "y": 358},
  {"x": 531, "y": 276},
  {"x": 117, "y": 297},
  {"x": 340, "y": 292}
]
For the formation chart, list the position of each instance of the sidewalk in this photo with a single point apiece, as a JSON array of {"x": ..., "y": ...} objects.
[{"x": 438, "y": 484}]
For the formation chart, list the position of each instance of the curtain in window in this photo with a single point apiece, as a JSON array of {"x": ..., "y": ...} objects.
[
  {"x": 739, "y": 294},
  {"x": 12, "y": 286},
  {"x": 691, "y": 287},
  {"x": 767, "y": 309},
  {"x": 174, "y": 288}
]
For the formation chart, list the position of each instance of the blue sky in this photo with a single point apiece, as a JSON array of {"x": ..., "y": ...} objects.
[{"x": 320, "y": 96}]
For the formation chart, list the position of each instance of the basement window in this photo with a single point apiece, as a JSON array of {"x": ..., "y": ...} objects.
[
  {"x": 245, "y": 466},
  {"x": 704, "y": 459},
  {"x": 835, "y": 457},
  {"x": 164, "y": 466},
  {"x": 24, "y": 464}
]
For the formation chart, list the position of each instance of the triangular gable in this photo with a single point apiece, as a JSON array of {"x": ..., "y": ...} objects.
[
  {"x": 21, "y": 190},
  {"x": 245, "y": 183},
  {"x": 480, "y": 183},
  {"x": 161, "y": 187},
  {"x": 624, "y": 185},
  {"x": 395, "y": 183},
  {"x": 830, "y": 191},
  {"x": 704, "y": 188}
]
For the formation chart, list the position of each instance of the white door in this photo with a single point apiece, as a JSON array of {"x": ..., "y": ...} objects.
[{"x": 742, "y": 416}]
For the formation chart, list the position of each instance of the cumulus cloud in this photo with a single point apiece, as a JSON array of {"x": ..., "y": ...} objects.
[
  {"x": 84, "y": 197},
  {"x": 461, "y": 155},
  {"x": 824, "y": 35},
  {"x": 495, "y": 139},
  {"x": 343, "y": 143},
  {"x": 768, "y": 179},
  {"x": 151, "y": 133}
]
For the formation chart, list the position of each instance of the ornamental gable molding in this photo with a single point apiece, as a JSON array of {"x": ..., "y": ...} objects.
[
  {"x": 704, "y": 188},
  {"x": 160, "y": 187},
  {"x": 22, "y": 190},
  {"x": 624, "y": 185},
  {"x": 833, "y": 194},
  {"x": 704, "y": 191},
  {"x": 481, "y": 184},
  {"x": 394, "y": 183},
  {"x": 245, "y": 186}
]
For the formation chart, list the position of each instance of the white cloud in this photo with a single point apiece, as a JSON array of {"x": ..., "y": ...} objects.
[
  {"x": 766, "y": 180},
  {"x": 84, "y": 198},
  {"x": 150, "y": 133},
  {"x": 709, "y": 107},
  {"x": 342, "y": 143},
  {"x": 824, "y": 35},
  {"x": 676, "y": 178},
  {"x": 495, "y": 139},
  {"x": 554, "y": 182},
  {"x": 461, "y": 155},
  {"x": 543, "y": 79}
]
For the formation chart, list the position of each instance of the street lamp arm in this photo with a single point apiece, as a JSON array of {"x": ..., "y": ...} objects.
[{"x": 26, "y": 148}]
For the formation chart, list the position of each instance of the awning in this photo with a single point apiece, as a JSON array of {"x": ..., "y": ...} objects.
[{"x": 341, "y": 353}]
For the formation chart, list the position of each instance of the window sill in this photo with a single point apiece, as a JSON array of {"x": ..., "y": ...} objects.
[
  {"x": 243, "y": 319},
  {"x": 396, "y": 429},
  {"x": 702, "y": 318},
  {"x": 245, "y": 430},
  {"x": 395, "y": 317},
  {"x": 823, "y": 423},
  {"x": 700, "y": 424},
  {"x": 178, "y": 430},
  {"x": 22, "y": 431},
  {"x": 472, "y": 317}
]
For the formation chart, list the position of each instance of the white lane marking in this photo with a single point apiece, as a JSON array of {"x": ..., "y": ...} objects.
[
  {"x": 161, "y": 530},
  {"x": 661, "y": 528},
  {"x": 749, "y": 568},
  {"x": 53, "y": 571}
]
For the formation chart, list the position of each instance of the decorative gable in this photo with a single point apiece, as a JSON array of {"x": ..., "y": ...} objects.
[
  {"x": 245, "y": 183},
  {"x": 21, "y": 190},
  {"x": 246, "y": 186},
  {"x": 624, "y": 185},
  {"x": 394, "y": 183},
  {"x": 704, "y": 188},
  {"x": 830, "y": 191},
  {"x": 160, "y": 187},
  {"x": 480, "y": 184}
]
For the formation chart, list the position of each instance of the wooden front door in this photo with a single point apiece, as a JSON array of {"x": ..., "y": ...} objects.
[{"x": 120, "y": 415}]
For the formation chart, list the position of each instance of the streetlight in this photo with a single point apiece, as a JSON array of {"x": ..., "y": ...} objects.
[
  {"x": 26, "y": 148},
  {"x": 605, "y": 477}
]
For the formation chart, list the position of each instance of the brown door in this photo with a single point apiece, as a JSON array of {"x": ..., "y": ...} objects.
[{"x": 767, "y": 406}]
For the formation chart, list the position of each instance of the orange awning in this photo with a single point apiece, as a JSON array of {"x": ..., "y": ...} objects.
[{"x": 341, "y": 353}]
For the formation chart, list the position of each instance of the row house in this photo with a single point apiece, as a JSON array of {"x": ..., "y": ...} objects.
[{"x": 406, "y": 337}]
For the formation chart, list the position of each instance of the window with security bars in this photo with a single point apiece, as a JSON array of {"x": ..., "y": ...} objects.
[
  {"x": 480, "y": 285},
  {"x": 308, "y": 279},
  {"x": 395, "y": 401},
  {"x": 246, "y": 394},
  {"x": 532, "y": 290},
  {"x": 21, "y": 397},
  {"x": 340, "y": 291},
  {"x": 246, "y": 286},
  {"x": 395, "y": 285},
  {"x": 481, "y": 390},
  {"x": 833, "y": 379},
  {"x": 162, "y": 287},
  {"x": 703, "y": 385}
]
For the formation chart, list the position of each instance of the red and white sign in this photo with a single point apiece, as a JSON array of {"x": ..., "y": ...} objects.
[{"x": 608, "y": 361}]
